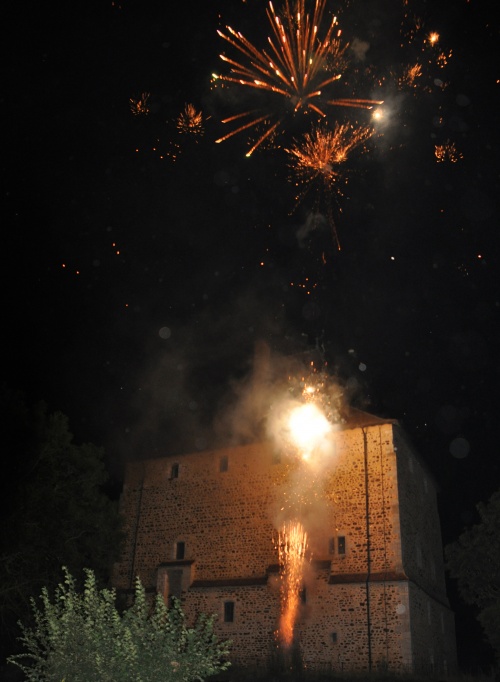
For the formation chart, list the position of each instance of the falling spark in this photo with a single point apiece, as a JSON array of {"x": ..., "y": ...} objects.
[
  {"x": 297, "y": 66},
  {"x": 139, "y": 106},
  {"x": 316, "y": 161},
  {"x": 292, "y": 545}
]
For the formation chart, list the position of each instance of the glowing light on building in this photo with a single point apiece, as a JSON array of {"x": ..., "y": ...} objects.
[{"x": 308, "y": 428}]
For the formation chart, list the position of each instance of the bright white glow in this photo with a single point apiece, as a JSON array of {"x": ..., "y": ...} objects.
[{"x": 308, "y": 427}]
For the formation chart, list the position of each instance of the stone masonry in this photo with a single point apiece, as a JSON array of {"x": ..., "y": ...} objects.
[{"x": 203, "y": 526}]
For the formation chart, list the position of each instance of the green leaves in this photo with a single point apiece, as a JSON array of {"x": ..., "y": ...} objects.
[{"x": 83, "y": 637}]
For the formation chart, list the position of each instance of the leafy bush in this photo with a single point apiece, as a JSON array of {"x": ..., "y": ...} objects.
[{"x": 82, "y": 637}]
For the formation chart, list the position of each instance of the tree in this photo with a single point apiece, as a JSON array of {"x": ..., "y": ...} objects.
[
  {"x": 83, "y": 636},
  {"x": 55, "y": 510},
  {"x": 474, "y": 562}
]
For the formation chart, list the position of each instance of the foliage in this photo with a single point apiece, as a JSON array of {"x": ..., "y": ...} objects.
[
  {"x": 54, "y": 508},
  {"x": 474, "y": 561},
  {"x": 81, "y": 636}
]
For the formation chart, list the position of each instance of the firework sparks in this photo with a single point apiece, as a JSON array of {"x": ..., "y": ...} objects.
[
  {"x": 190, "y": 121},
  {"x": 318, "y": 158},
  {"x": 318, "y": 388},
  {"x": 292, "y": 545},
  {"x": 411, "y": 76},
  {"x": 139, "y": 106},
  {"x": 297, "y": 66},
  {"x": 447, "y": 152}
]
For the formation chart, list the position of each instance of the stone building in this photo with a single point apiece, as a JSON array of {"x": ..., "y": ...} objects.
[{"x": 203, "y": 526}]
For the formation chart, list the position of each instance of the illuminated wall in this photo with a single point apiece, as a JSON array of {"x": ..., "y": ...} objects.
[{"x": 203, "y": 526}]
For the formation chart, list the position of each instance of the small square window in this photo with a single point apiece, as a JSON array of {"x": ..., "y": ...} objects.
[
  {"x": 341, "y": 544},
  {"x": 223, "y": 463},
  {"x": 228, "y": 611},
  {"x": 174, "y": 471},
  {"x": 180, "y": 550}
]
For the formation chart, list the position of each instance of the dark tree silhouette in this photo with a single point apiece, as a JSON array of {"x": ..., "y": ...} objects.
[
  {"x": 474, "y": 562},
  {"x": 55, "y": 511}
]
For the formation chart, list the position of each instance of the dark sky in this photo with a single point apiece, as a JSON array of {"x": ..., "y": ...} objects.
[{"x": 135, "y": 286}]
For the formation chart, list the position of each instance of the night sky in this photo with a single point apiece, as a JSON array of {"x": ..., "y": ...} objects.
[{"x": 142, "y": 265}]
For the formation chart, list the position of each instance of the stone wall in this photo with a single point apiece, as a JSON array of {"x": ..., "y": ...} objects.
[{"x": 205, "y": 525}]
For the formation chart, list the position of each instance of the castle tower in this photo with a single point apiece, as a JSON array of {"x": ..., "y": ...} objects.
[{"x": 203, "y": 526}]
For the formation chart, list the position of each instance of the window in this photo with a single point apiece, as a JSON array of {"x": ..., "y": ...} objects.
[
  {"x": 174, "y": 584},
  {"x": 303, "y": 595},
  {"x": 334, "y": 637},
  {"x": 174, "y": 471},
  {"x": 223, "y": 463},
  {"x": 228, "y": 611},
  {"x": 180, "y": 550},
  {"x": 341, "y": 544},
  {"x": 331, "y": 545}
]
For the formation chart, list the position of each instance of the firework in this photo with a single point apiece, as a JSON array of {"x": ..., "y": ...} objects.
[
  {"x": 316, "y": 161},
  {"x": 305, "y": 423},
  {"x": 411, "y": 76},
  {"x": 190, "y": 121},
  {"x": 447, "y": 152},
  {"x": 318, "y": 388},
  {"x": 298, "y": 64},
  {"x": 292, "y": 545},
  {"x": 139, "y": 106}
]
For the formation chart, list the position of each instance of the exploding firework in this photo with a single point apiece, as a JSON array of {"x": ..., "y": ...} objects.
[
  {"x": 316, "y": 161},
  {"x": 139, "y": 106},
  {"x": 296, "y": 67},
  {"x": 190, "y": 121},
  {"x": 447, "y": 152},
  {"x": 318, "y": 388},
  {"x": 292, "y": 545}
]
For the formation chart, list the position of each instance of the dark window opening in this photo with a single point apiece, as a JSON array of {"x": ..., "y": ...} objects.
[
  {"x": 180, "y": 550},
  {"x": 223, "y": 463},
  {"x": 174, "y": 471},
  {"x": 334, "y": 637},
  {"x": 228, "y": 611},
  {"x": 303, "y": 595},
  {"x": 174, "y": 585},
  {"x": 341, "y": 544}
]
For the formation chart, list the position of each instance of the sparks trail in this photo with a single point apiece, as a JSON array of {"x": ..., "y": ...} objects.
[
  {"x": 292, "y": 545},
  {"x": 316, "y": 161},
  {"x": 297, "y": 66}
]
